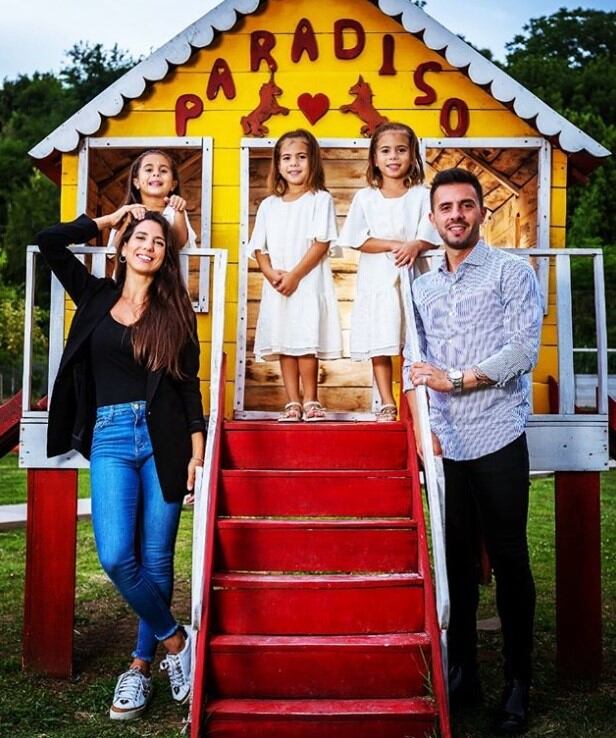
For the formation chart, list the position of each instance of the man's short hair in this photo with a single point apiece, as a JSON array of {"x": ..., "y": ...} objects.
[{"x": 455, "y": 175}]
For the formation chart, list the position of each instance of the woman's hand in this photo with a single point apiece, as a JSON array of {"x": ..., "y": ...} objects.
[
  {"x": 176, "y": 202},
  {"x": 288, "y": 284},
  {"x": 121, "y": 217},
  {"x": 430, "y": 376},
  {"x": 190, "y": 481}
]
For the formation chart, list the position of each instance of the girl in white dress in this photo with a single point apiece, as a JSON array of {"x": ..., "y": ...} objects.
[
  {"x": 388, "y": 223},
  {"x": 154, "y": 182},
  {"x": 298, "y": 320}
]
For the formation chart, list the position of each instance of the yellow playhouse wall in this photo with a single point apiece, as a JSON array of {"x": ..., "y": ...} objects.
[{"x": 394, "y": 96}]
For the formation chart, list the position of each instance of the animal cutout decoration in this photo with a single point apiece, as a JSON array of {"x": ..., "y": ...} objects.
[
  {"x": 362, "y": 107},
  {"x": 252, "y": 124}
]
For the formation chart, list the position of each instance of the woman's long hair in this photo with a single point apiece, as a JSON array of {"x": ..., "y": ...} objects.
[
  {"x": 415, "y": 174},
  {"x": 167, "y": 321},
  {"x": 316, "y": 176},
  {"x": 132, "y": 193}
]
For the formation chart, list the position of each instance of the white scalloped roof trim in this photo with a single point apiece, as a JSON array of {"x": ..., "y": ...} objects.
[
  {"x": 501, "y": 86},
  {"x": 224, "y": 16}
]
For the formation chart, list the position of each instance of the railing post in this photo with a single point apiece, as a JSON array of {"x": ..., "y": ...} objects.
[
  {"x": 51, "y": 538},
  {"x": 578, "y": 573}
]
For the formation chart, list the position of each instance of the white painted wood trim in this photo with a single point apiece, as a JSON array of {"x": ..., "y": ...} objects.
[{"x": 566, "y": 382}]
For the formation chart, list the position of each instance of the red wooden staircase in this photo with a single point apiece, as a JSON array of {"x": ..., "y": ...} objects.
[{"x": 318, "y": 615}]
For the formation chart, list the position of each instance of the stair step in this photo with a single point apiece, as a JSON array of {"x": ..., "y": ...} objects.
[
  {"x": 378, "y": 493},
  {"x": 363, "y": 545},
  {"x": 273, "y": 445},
  {"x": 337, "y": 667},
  {"x": 317, "y": 604},
  {"x": 401, "y": 718}
]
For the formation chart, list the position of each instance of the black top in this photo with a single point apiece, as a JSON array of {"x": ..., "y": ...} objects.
[
  {"x": 118, "y": 378},
  {"x": 174, "y": 408}
]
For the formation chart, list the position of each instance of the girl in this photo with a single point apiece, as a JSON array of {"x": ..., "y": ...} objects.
[
  {"x": 298, "y": 319},
  {"x": 153, "y": 182},
  {"x": 388, "y": 223},
  {"x": 127, "y": 397}
]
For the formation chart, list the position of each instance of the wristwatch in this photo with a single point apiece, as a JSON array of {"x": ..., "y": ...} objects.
[{"x": 456, "y": 377}]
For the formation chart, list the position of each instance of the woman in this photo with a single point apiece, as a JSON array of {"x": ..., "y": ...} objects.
[{"x": 127, "y": 397}]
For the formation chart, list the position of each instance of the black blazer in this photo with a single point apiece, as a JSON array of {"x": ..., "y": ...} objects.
[{"x": 174, "y": 409}]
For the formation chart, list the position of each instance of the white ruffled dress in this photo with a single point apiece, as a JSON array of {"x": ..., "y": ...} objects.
[
  {"x": 307, "y": 322},
  {"x": 377, "y": 326}
]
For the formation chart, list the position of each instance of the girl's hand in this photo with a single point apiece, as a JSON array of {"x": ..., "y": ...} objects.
[
  {"x": 288, "y": 284},
  {"x": 274, "y": 277},
  {"x": 176, "y": 202},
  {"x": 406, "y": 253},
  {"x": 430, "y": 376},
  {"x": 190, "y": 481}
]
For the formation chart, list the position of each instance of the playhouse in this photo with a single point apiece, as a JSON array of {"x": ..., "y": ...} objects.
[{"x": 218, "y": 95}]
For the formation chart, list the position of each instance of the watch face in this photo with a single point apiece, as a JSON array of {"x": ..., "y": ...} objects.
[{"x": 455, "y": 374}]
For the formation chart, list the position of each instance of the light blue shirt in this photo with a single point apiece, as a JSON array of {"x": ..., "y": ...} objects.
[{"x": 488, "y": 314}]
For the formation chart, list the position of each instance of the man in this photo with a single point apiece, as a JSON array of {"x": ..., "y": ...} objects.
[{"x": 479, "y": 321}]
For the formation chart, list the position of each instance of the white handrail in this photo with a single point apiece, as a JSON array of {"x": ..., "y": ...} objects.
[
  {"x": 203, "y": 491},
  {"x": 433, "y": 473}
]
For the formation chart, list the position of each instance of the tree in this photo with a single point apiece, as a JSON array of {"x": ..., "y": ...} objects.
[
  {"x": 30, "y": 108},
  {"x": 568, "y": 60}
]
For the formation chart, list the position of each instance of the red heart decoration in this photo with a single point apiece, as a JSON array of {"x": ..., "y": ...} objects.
[{"x": 313, "y": 107}]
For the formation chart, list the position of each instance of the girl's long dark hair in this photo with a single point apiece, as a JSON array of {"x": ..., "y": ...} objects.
[
  {"x": 316, "y": 176},
  {"x": 132, "y": 193},
  {"x": 167, "y": 322},
  {"x": 415, "y": 174}
]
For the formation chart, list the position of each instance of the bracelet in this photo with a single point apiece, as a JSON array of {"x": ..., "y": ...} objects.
[
  {"x": 196, "y": 458},
  {"x": 481, "y": 377}
]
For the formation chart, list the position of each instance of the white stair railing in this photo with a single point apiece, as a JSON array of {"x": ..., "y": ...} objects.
[{"x": 433, "y": 474}]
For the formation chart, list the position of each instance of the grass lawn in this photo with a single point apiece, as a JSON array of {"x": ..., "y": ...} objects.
[{"x": 33, "y": 707}]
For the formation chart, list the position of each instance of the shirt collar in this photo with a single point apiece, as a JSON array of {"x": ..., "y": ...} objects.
[{"x": 476, "y": 257}]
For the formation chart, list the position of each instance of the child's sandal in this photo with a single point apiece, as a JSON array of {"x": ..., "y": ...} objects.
[
  {"x": 292, "y": 413},
  {"x": 313, "y": 412},
  {"x": 387, "y": 414}
]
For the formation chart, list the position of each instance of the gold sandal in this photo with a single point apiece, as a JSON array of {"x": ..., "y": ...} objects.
[
  {"x": 387, "y": 414},
  {"x": 313, "y": 412},
  {"x": 292, "y": 413}
]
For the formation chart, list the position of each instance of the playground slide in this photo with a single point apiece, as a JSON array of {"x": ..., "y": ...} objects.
[{"x": 10, "y": 415}]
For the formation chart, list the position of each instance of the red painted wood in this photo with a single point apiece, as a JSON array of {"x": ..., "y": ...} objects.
[
  {"x": 50, "y": 572},
  {"x": 578, "y": 573},
  {"x": 315, "y": 493},
  {"x": 317, "y": 545},
  {"x": 10, "y": 416},
  {"x": 410, "y": 718},
  {"x": 314, "y": 446},
  {"x": 201, "y": 652},
  {"x": 438, "y": 681},
  {"x": 317, "y": 605},
  {"x": 337, "y": 667}
]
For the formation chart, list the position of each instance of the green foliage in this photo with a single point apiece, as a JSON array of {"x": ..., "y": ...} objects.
[
  {"x": 30, "y": 108},
  {"x": 568, "y": 60},
  {"x": 92, "y": 69}
]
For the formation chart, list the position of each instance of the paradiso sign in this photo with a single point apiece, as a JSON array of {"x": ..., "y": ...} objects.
[{"x": 349, "y": 40}]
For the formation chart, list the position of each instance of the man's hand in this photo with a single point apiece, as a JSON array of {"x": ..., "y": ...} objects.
[{"x": 430, "y": 376}]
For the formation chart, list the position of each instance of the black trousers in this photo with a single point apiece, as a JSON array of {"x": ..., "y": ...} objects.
[{"x": 488, "y": 497}]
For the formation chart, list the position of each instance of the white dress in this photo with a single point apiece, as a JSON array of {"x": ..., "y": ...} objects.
[
  {"x": 377, "y": 326},
  {"x": 307, "y": 322}
]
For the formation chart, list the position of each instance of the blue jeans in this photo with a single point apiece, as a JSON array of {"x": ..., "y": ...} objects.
[{"x": 134, "y": 527}]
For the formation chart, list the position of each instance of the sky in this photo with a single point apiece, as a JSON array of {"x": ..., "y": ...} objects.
[{"x": 35, "y": 34}]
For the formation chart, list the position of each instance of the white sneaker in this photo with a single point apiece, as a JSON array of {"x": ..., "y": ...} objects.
[
  {"x": 178, "y": 667},
  {"x": 132, "y": 693}
]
